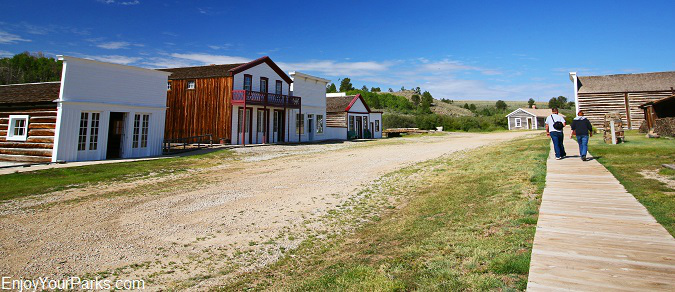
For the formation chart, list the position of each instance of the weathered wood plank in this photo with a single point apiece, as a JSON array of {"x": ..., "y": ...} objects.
[{"x": 596, "y": 236}]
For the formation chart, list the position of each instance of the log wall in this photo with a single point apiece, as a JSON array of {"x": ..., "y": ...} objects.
[
  {"x": 41, "y": 130},
  {"x": 596, "y": 105},
  {"x": 207, "y": 109},
  {"x": 336, "y": 120}
]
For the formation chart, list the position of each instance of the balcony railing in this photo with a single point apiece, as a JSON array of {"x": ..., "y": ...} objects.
[{"x": 262, "y": 98}]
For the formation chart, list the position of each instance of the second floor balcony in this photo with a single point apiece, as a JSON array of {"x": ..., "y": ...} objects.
[{"x": 263, "y": 98}]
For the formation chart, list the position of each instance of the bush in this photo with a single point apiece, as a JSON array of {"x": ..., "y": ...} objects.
[{"x": 449, "y": 123}]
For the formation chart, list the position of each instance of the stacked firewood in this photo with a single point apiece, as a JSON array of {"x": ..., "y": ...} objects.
[
  {"x": 665, "y": 127},
  {"x": 618, "y": 128}
]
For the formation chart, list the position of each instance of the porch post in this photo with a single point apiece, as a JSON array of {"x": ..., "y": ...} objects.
[
  {"x": 243, "y": 124},
  {"x": 265, "y": 120}
]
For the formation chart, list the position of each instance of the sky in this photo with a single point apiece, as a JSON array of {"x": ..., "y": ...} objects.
[{"x": 482, "y": 50}]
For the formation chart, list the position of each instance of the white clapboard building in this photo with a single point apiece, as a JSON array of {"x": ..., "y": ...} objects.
[{"x": 97, "y": 111}]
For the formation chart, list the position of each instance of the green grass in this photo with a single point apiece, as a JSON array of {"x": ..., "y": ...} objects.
[
  {"x": 626, "y": 160},
  {"x": 467, "y": 223},
  {"x": 17, "y": 185}
]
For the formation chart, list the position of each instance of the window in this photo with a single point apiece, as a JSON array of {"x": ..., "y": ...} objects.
[
  {"x": 144, "y": 131},
  {"x": 191, "y": 84},
  {"x": 351, "y": 123},
  {"x": 18, "y": 128},
  {"x": 248, "y": 82},
  {"x": 264, "y": 84},
  {"x": 93, "y": 131},
  {"x": 141, "y": 125},
  {"x": 82, "y": 137},
  {"x": 168, "y": 85},
  {"x": 319, "y": 124},
  {"x": 300, "y": 123},
  {"x": 262, "y": 121},
  {"x": 377, "y": 125},
  {"x": 88, "y": 133},
  {"x": 278, "y": 88},
  {"x": 365, "y": 122},
  {"x": 518, "y": 122}
]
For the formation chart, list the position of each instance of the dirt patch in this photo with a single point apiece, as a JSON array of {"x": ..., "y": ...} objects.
[
  {"x": 654, "y": 174},
  {"x": 197, "y": 229}
]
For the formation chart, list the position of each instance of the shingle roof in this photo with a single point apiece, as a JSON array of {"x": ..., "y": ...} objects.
[
  {"x": 30, "y": 92},
  {"x": 201, "y": 71},
  {"x": 657, "y": 81},
  {"x": 338, "y": 103},
  {"x": 223, "y": 70},
  {"x": 538, "y": 112}
]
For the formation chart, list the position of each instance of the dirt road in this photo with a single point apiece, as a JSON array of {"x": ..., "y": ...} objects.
[{"x": 195, "y": 232}]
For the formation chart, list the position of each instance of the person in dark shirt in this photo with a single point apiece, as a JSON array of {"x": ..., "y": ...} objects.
[{"x": 582, "y": 128}]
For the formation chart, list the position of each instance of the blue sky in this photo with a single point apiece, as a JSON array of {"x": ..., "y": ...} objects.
[{"x": 510, "y": 50}]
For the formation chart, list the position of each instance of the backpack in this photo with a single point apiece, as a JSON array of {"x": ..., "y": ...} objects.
[{"x": 558, "y": 125}]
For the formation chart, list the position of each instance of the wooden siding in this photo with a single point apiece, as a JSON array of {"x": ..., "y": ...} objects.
[
  {"x": 523, "y": 120},
  {"x": 336, "y": 120},
  {"x": 40, "y": 142},
  {"x": 207, "y": 109},
  {"x": 596, "y": 105}
]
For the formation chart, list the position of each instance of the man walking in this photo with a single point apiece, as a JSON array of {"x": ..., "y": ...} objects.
[
  {"x": 582, "y": 128},
  {"x": 554, "y": 127}
]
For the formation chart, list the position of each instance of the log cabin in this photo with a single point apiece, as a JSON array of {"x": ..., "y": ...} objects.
[
  {"x": 97, "y": 111},
  {"x": 621, "y": 93}
]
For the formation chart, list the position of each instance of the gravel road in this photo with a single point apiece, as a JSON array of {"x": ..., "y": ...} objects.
[{"x": 192, "y": 230}]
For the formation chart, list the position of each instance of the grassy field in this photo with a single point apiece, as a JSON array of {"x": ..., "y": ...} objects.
[
  {"x": 625, "y": 161},
  {"x": 42, "y": 181},
  {"x": 512, "y": 104},
  {"x": 467, "y": 223}
]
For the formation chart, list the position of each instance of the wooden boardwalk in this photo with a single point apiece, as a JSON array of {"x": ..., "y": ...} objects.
[{"x": 592, "y": 235}]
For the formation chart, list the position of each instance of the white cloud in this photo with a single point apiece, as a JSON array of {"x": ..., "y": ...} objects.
[
  {"x": 117, "y": 59},
  {"x": 5, "y": 54},
  {"x": 134, "y": 2},
  {"x": 114, "y": 45},
  {"x": 205, "y": 59},
  {"x": 446, "y": 65},
  {"x": 9, "y": 38},
  {"x": 332, "y": 68}
]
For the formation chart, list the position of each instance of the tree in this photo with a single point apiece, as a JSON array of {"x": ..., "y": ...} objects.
[
  {"x": 375, "y": 89},
  {"x": 530, "y": 102},
  {"x": 331, "y": 88},
  {"x": 364, "y": 88},
  {"x": 466, "y": 106},
  {"x": 427, "y": 98},
  {"x": 472, "y": 107},
  {"x": 390, "y": 90},
  {"x": 402, "y": 88},
  {"x": 500, "y": 105},
  {"x": 560, "y": 102},
  {"x": 415, "y": 99},
  {"x": 346, "y": 85},
  {"x": 418, "y": 90},
  {"x": 28, "y": 68}
]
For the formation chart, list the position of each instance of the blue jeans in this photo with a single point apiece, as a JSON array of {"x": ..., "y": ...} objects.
[
  {"x": 557, "y": 138},
  {"x": 583, "y": 145}
]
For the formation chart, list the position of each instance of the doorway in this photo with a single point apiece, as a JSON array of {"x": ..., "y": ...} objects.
[
  {"x": 247, "y": 136},
  {"x": 359, "y": 128},
  {"x": 310, "y": 128},
  {"x": 115, "y": 135},
  {"x": 529, "y": 123},
  {"x": 278, "y": 126}
]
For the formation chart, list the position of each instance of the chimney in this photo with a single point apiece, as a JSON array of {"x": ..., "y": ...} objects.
[{"x": 534, "y": 106}]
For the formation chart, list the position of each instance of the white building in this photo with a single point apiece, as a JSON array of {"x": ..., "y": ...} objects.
[
  {"x": 310, "y": 119},
  {"x": 349, "y": 117},
  {"x": 97, "y": 111}
]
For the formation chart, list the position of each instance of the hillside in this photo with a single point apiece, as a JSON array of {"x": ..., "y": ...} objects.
[
  {"x": 438, "y": 107},
  {"x": 510, "y": 103}
]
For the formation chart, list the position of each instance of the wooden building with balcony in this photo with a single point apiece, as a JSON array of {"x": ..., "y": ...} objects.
[{"x": 244, "y": 103}]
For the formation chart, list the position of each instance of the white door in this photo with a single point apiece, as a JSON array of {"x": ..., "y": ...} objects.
[
  {"x": 247, "y": 137},
  {"x": 87, "y": 139},
  {"x": 139, "y": 135}
]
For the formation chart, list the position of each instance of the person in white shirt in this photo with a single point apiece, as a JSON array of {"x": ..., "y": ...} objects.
[{"x": 555, "y": 131}]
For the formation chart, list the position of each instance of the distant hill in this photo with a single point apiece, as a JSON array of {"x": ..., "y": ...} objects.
[
  {"x": 510, "y": 103},
  {"x": 438, "y": 106}
]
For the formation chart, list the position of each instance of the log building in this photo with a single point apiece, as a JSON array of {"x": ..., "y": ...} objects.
[{"x": 621, "y": 93}]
